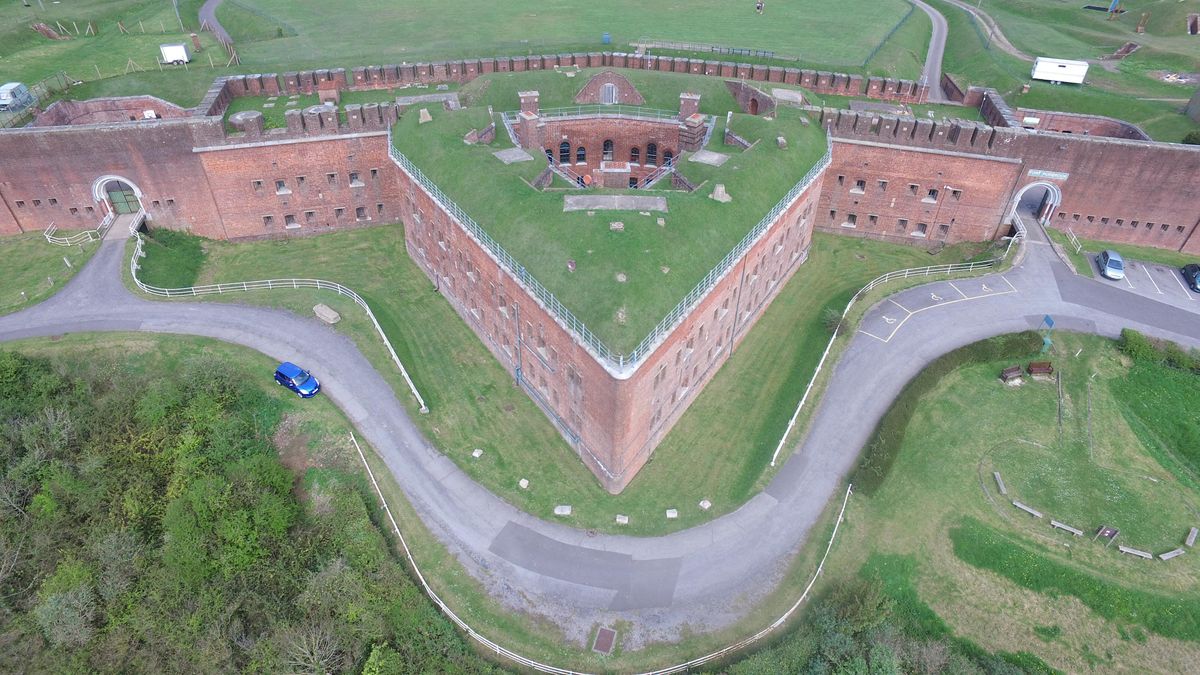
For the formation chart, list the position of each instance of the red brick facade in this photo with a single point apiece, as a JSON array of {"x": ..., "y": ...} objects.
[
  {"x": 622, "y": 93},
  {"x": 325, "y": 171}
]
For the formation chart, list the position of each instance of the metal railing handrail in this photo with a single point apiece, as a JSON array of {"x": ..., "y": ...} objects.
[
  {"x": 265, "y": 284},
  {"x": 79, "y": 237},
  {"x": 602, "y": 110},
  {"x": 615, "y": 362},
  {"x": 880, "y": 280}
]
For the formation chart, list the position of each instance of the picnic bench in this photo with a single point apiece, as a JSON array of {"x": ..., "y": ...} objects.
[
  {"x": 1011, "y": 373},
  {"x": 1063, "y": 526},
  {"x": 1028, "y": 509},
  {"x": 1041, "y": 368},
  {"x": 1191, "y": 537},
  {"x": 1134, "y": 551},
  {"x": 1170, "y": 554}
]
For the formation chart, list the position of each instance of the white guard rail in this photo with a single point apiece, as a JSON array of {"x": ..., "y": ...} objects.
[
  {"x": 268, "y": 285},
  {"x": 79, "y": 237}
]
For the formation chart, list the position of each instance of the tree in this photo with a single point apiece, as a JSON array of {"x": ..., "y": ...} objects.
[
  {"x": 66, "y": 617},
  {"x": 1192, "y": 138}
]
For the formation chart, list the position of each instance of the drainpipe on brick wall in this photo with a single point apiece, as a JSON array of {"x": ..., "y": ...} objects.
[
  {"x": 12, "y": 213},
  {"x": 1191, "y": 235},
  {"x": 737, "y": 304},
  {"x": 517, "y": 325}
]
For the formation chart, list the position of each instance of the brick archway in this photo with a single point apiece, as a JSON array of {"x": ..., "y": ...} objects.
[
  {"x": 1050, "y": 201},
  {"x": 117, "y": 194}
]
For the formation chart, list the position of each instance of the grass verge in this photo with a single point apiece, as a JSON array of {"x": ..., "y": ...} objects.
[{"x": 35, "y": 269}]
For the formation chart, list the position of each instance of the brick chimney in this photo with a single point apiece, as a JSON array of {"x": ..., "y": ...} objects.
[
  {"x": 689, "y": 104},
  {"x": 529, "y": 101}
]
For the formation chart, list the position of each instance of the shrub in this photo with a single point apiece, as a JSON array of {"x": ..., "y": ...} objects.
[
  {"x": 1137, "y": 346},
  {"x": 1192, "y": 138}
]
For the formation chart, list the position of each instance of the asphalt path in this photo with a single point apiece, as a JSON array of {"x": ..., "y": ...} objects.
[
  {"x": 932, "y": 73},
  {"x": 208, "y": 14},
  {"x": 698, "y": 579}
]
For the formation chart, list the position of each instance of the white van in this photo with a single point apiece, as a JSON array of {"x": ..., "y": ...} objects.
[{"x": 15, "y": 96}]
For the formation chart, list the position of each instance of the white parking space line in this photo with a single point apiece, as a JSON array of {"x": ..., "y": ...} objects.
[
  {"x": 899, "y": 305},
  {"x": 1187, "y": 293},
  {"x": 1151, "y": 277},
  {"x": 957, "y": 289},
  {"x": 1014, "y": 288},
  {"x": 1126, "y": 278},
  {"x": 911, "y": 313}
]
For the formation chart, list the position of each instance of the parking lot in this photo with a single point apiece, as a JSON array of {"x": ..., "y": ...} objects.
[
  {"x": 1152, "y": 280},
  {"x": 883, "y": 321}
]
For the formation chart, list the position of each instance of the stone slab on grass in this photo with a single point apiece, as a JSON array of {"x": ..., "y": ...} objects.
[
  {"x": 562, "y": 510},
  {"x": 512, "y": 156},
  {"x": 424, "y": 116},
  {"x": 614, "y": 203},
  {"x": 327, "y": 314},
  {"x": 788, "y": 96},
  {"x": 708, "y": 157}
]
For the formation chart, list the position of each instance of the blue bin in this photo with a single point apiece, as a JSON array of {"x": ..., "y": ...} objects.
[{"x": 606, "y": 39}]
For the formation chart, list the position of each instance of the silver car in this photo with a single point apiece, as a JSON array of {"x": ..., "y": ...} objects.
[{"x": 1111, "y": 265}]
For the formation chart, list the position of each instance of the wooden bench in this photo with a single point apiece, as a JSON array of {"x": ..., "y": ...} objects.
[
  {"x": 1041, "y": 368},
  {"x": 1011, "y": 373},
  {"x": 1000, "y": 483},
  {"x": 1171, "y": 554},
  {"x": 1068, "y": 528},
  {"x": 1028, "y": 509},
  {"x": 1134, "y": 551},
  {"x": 1191, "y": 538}
]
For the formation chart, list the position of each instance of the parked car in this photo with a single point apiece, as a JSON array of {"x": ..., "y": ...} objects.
[
  {"x": 1191, "y": 274},
  {"x": 297, "y": 379},
  {"x": 1111, "y": 265}
]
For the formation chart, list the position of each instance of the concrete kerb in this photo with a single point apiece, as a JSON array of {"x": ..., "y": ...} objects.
[
  {"x": 267, "y": 284},
  {"x": 547, "y": 668}
]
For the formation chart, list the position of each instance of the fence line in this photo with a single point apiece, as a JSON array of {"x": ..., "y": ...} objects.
[
  {"x": 554, "y": 670},
  {"x": 266, "y": 285},
  {"x": 80, "y": 237},
  {"x": 879, "y": 281},
  {"x": 613, "y": 361},
  {"x": 911, "y": 8}
]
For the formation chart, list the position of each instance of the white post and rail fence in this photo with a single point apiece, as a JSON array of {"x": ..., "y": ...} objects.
[{"x": 266, "y": 285}]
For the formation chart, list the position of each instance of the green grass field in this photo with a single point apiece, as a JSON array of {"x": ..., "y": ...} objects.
[
  {"x": 34, "y": 269},
  {"x": 1065, "y": 30},
  {"x": 1009, "y": 582},
  {"x": 724, "y": 440},
  {"x": 818, "y": 32},
  {"x": 659, "y": 264}
]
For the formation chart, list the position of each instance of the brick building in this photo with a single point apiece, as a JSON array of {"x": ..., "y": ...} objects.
[{"x": 891, "y": 178}]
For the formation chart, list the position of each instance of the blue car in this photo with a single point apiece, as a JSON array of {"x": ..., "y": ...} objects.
[{"x": 297, "y": 379}]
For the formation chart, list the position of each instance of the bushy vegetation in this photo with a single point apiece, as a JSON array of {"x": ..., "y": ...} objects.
[
  {"x": 983, "y": 546},
  {"x": 876, "y": 623},
  {"x": 173, "y": 259},
  {"x": 147, "y": 524},
  {"x": 888, "y": 438}
]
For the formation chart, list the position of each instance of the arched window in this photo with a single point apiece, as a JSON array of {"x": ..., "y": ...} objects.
[
  {"x": 668, "y": 157},
  {"x": 564, "y": 153},
  {"x": 580, "y": 154},
  {"x": 608, "y": 151},
  {"x": 549, "y": 155},
  {"x": 652, "y": 154},
  {"x": 608, "y": 94},
  {"x": 635, "y": 155}
]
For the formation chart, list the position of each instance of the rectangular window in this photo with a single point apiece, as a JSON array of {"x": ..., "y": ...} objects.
[
  {"x": 1165, "y": 227},
  {"x": 873, "y": 219},
  {"x": 851, "y": 220},
  {"x": 1149, "y": 225},
  {"x": 360, "y": 213},
  {"x": 257, "y": 185},
  {"x": 170, "y": 202},
  {"x": 374, "y": 174},
  {"x": 89, "y": 209},
  {"x": 943, "y": 230},
  {"x": 1075, "y": 217},
  {"x": 912, "y": 189},
  {"x": 860, "y": 186},
  {"x": 331, "y": 178},
  {"x": 310, "y": 217},
  {"x": 1120, "y": 222},
  {"x": 37, "y": 202},
  {"x": 74, "y": 211},
  {"x": 1133, "y": 223},
  {"x": 1104, "y": 221},
  {"x": 300, "y": 181},
  {"x": 339, "y": 212},
  {"x": 268, "y": 221},
  {"x": 281, "y": 187},
  {"x": 53, "y": 201},
  {"x": 902, "y": 225},
  {"x": 1091, "y": 219},
  {"x": 931, "y": 196},
  {"x": 156, "y": 203},
  {"x": 289, "y": 221},
  {"x": 882, "y": 186},
  {"x": 922, "y": 228},
  {"x": 354, "y": 180},
  {"x": 379, "y": 210},
  {"x": 20, "y": 203},
  {"x": 832, "y": 215},
  {"x": 841, "y": 181}
]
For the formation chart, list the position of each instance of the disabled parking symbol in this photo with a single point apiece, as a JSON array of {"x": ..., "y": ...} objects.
[{"x": 935, "y": 297}]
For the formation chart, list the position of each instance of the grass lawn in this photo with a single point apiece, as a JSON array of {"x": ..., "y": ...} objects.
[
  {"x": 725, "y": 439},
  {"x": 1077, "y": 33},
  {"x": 273, "y": 110},
  {"x": 35, "y": 268},
  {"x": 659, "y": 264},
  {"x": 831, "y": 34},
  {"x": 1007, "y": 581}
]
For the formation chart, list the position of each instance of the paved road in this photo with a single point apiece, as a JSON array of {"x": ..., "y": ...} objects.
[
  {"x": 208, "y": 13},
  {"x": 698, "y": 579},
  {"x": 991, "y": 26},
  {"x": 932, "y": 73}
]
